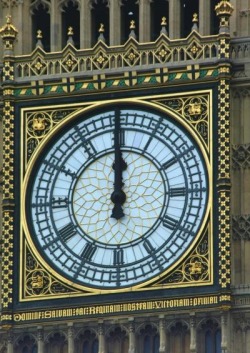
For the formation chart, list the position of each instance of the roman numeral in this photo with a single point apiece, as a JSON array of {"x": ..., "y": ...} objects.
[
  {"x": 87, "y": 144},
  {"x": 118, "y": 257},
  {"x": 67, "y": 232},
  {"x": 88, "y": 251},
  {"x": 169, "y": 163},
  {"x": 175, "y": 192},
  {"x": 59, "y": 202},
  {"x": 169, "y": 222},
  {"x": 148, "y": 246}
]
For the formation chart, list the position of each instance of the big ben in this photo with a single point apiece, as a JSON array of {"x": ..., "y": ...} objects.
[{"x": 124, "y": 177}]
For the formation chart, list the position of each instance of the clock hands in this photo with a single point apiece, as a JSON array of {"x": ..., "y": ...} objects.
[{"x": 118, "y": 196}]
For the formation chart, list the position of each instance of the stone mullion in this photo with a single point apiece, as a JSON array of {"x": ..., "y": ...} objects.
[
  {"x": 55, "y": 26},
  {"x": 204, "y": 17},
  {"x": 115, "y": 22},
  {"x": 40, "y": 340},
  {"x": 144, "y": 21},
  {"x": 174, "y": 19},
  {"x": 85, "y": 24}
]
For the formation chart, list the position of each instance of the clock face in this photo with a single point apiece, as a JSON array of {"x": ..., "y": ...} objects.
[{"x": 117, "y": 198}]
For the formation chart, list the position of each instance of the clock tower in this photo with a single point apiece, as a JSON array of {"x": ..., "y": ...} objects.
[{"x": 116, "y": 231}]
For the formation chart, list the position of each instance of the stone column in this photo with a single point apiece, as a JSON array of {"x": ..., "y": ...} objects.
[
  {"x": 71, "y": 348},
  {"x": 162, "y": 332},
  {"x": 10, "y": 348},
  {"x": 101, "y": 338},
  {"x": 40, "y": 340},
  {"x": 224, "y": 343},
  {"x": 192, "y": 333},
  {"x": 144, "y": 21},
  {"x": 55, "y": 27},
  {"x": 174, "y": 19},
  {"x": 115, "y": 22},
  {"x": 204, "y": 17},
  {"x": 85, "y": 24},
  {"x": 131, "y": 348}
]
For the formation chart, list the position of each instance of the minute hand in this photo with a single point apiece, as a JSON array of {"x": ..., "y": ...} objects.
[{"x": 118, "y": 196}]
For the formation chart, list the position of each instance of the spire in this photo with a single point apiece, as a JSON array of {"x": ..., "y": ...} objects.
[
  {"x": 163, "y": 25},
  {"x": 132, "y": 29},
  {"x": 70, "y": 35},
  {"x": 224, "y": 10},
  {"x": 8, "y": 33},
  {"x": 195, "y": 22},
  {"x": 39, "y": 37}
]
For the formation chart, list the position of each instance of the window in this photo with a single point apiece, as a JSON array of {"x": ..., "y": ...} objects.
[
  {"x": 159, "y": 9},
  {"x": 41, "y": 22},
  {"x": 130, "y": 12},
  {"x": 188, "y": 8},
  {"x": 100, "y": 15},
  {"x": 71, "y": 18}
]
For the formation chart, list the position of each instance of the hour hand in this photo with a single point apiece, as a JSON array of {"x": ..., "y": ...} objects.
[{"x": 118, "y": 196}]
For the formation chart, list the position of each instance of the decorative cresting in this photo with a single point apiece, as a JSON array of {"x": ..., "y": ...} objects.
[
  {"x": 224, "y": 10},
  {"x": 164, "y": 51},
  {"x": 241, "y": 156},
  {"x": 10, "y": 3},
  {"x": 241, "y": 227}
]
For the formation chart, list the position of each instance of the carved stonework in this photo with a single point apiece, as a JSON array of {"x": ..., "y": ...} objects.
[
  {"x": 242, "y": 324},
  {"x": 241, "y": 227},
  {"x": 241, "y": 156},
  {"x": 10, "y": 3}
]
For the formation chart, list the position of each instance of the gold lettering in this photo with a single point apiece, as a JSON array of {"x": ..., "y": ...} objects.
[{"x": 47, "y": 314}]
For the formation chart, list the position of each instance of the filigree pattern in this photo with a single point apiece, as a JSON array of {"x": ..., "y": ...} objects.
[
  {"x": 38, "y": 280},
  {"x": 195, "y": 268},
  {"x": 241, "y": 227},
  {"x": 39, "y": 124},
  {"x": 241, "y": 156},
  {"x": 194, "y": 109}
]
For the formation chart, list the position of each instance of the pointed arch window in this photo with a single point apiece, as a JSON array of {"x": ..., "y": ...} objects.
[
  {"x": 130, "y": 12},
  {"x": 40, "y": 21},
  {"x": 71, "y": 18},
  {"x": 100, "y": 15},
  {"x": 214, "y": 19},
  {"x": 188, "y": 8},
  {"x": 149, "y": 339},
  {"x": 159, "y": 9}
]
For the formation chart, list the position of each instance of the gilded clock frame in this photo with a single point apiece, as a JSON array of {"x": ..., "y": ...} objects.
[{"x": 195, "y": 109}]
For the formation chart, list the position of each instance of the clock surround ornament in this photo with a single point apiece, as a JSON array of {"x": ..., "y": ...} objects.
[{"x": 145, "y": 153}]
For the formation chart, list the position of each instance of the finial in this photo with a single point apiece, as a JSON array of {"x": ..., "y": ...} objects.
[
  {"x": 224, "y": 10},
  {"x": 39, "y": 36},
  {"x": 132, "y": 29},
  {"x": 163, "y": 25},
  {"x": 8, "y": 33},
  {"x": 101, "y": 31},
  {"x": 195, "y": 22},
  {"x": 70, "y": 31},
  {"x": 70, "y": 35},
  {"x": 163, "y": 21},
  {"x": 101, "y": 28},
  {"x": 132, "y": 24}
]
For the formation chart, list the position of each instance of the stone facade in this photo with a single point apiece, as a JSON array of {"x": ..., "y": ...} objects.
[{"x": 169, "y": 327}]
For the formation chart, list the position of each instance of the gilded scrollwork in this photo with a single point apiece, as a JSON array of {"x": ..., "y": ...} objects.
[
  {"x": 39, "y": 282},
  {"x": 39, "y": 124},
  {"x": 195, "y": 268},
  {"x": 195, "y": 109}
]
